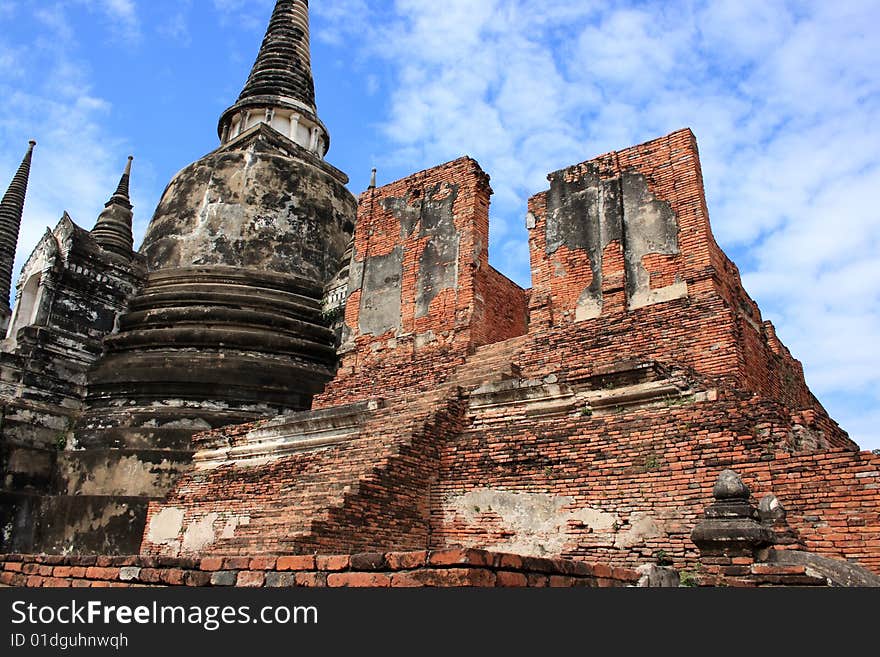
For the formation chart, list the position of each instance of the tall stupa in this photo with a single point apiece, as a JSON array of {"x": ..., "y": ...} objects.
[{"x": 240, "y": 250}]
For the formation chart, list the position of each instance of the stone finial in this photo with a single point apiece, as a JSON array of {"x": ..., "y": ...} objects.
[
  {"x": 373, "y": 179},
  {"x": 730, "y": 527},
  {"x": 774, "y": 517},
  {"x": 121, "y": 195},
  {"x": 283, "y": 67},
  {"x": 730, "y": 486},
  {"x": 770, "y": 509},
  {"x": 113, "y": 230},
  {"x": 11, "y": 210},
  {"x": 281, "y": 79}
]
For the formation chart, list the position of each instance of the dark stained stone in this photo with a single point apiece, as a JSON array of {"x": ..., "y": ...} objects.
[
  {"x": 11, "y": 208},
  {"x": 730, "y": 487},
  {"x": 283, "y": 66}
]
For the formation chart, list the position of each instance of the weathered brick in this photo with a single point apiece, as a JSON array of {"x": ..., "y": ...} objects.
[
  {"x": 251, "y": 579},
  {"x": 359, "y": 580},
  {"x": 368, "y": 561},
  {"x": 446, "y": 577},
  {"x": 262, "y": 563},
  {"x": 406, "y": 560},
  {"x": 280, "y": 580},
  {"x": 305, "y": 562},
  {"x": 509, "y": 561},
  {"x": 508, "y": 579},
  {"x": 537, "y": 581},
  {"x": 211, "y": 564},
  {"x": 460, "y": 557},
  {"x": 311, "y": 580},
  {"x": 407, "y": 579},
  {"x": 196, "y": 578},
  {"x": 172, "y": 576},
  {"x": 773, "y": 569},
  {"x": 332, "y": 563},
  {"x": 95, "y": 572},
  {"x": 224, "y": 578}
]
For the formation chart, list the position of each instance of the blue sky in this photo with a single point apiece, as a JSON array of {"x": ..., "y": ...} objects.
[{"x": 784, "y": 98}]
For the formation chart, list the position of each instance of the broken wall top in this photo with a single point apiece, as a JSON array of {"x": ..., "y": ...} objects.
[
  {"x": 624, "y": 267},
  {"x": 420, "y": 278}
]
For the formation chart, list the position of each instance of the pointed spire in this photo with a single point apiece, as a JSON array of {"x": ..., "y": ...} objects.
[
  {"x": 113, "y": 229},
  {"x": 284, "y": 67},
  {"x": 11, "y": 209},
  {"x": 121, "y": 195},
  {"x": 280, "y": 90}
]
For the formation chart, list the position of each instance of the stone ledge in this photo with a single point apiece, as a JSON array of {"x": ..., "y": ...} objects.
[
  {"x": 439, "y": 568},
  {"x": 274, "y": 439}
]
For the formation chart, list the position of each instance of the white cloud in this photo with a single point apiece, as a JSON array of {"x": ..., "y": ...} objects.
[
  {"x": 121, "y": 14},
  {"x": 337, "y": 13},
  {"x": 249, "y": 14},
  {"x": 176, "y": 27},
  {"x": 784, "y": 100},
  {"x": 76, "y": 164},
  {"x": 124, "y": 10}
]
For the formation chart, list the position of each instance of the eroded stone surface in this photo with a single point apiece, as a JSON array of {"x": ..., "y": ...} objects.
[{"x": 537, "y": 522}]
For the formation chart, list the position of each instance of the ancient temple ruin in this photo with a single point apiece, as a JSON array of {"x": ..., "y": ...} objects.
[{"x": 284, "y": 371}]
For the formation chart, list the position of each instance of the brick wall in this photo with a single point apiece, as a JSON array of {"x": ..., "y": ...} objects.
[
  {"x": 698, "y": 334},
  {"x": 422, "y": 293},
  {"x": 628, "y": 484},
  {"x": 619, "y": 485},
  {"x": 444, "y": 568},
  {"x": 541, "y": 475},
  {"x": 716, "y": 328},
  {"x": 578, "y": 229},
  {"x": 370, "y": 492},
  {"x": 501, "y": 311}
]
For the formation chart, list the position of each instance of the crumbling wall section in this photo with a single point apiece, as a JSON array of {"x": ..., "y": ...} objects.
[
  {"x": 70, "y": 297},
  {"x": 627, "y": 234},
  {"x": 501, "y": 311},
  {"x": 422, "y": 294},
  {"x": 627, "y": 484},
  {"x": 366, "y": 490},
  {"x": 612, "y": 233}
]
